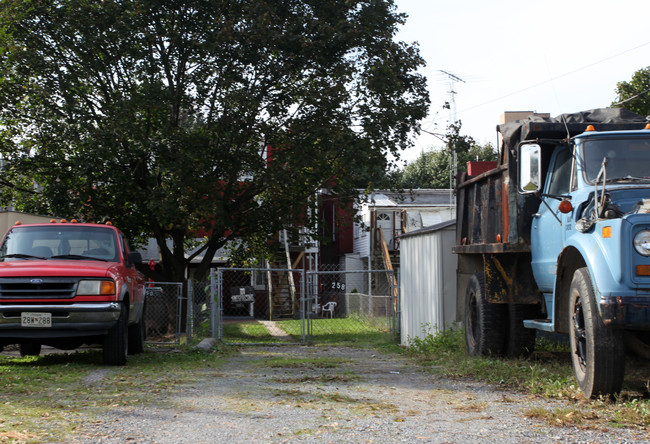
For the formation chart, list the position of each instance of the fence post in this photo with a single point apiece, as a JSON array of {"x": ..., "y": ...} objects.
[
  {"x": 213, "y": 305},
  {"x": 190, "y": 311},
  {"x": 303, "y": 306}
]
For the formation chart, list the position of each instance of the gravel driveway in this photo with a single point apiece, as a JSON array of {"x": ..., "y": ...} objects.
[{"x": 340, "y": 394}]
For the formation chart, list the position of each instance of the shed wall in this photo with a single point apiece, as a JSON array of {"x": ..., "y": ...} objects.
[{"x": 427, "y": 283}]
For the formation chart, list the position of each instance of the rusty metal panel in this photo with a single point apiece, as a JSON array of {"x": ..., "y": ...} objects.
[
  {"x": 509, "y": 279},
  {"x": 488, "y": 214}
]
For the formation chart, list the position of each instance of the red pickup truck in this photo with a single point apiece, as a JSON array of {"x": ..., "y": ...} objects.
[{"x": 68, "y": 284}]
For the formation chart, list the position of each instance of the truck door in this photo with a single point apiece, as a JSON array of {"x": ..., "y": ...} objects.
[{"x": 549, "y": 225}]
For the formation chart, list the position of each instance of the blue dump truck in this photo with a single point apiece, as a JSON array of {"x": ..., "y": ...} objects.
[{"x": 557, "y": 238}]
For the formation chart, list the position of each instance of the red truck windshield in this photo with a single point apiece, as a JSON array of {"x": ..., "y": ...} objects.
[
  {"x": 626, "y": 159},
  {"x": 60, "y": 242}
]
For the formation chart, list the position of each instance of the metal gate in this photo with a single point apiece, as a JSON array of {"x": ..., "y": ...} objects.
[
  {"x": 358, "y": 306},
  {"x": 259, "y": 305},
  {"x": 284, "y": 306},
  {"x": 164, "y": 305}
]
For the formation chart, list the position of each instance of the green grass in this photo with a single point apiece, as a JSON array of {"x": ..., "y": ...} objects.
[
  {"x": 46, "y": 398},
  {"x": 247, "y": 332},
  {"x": 547, "y": 373},
  {"x": 351, "y": 331}
]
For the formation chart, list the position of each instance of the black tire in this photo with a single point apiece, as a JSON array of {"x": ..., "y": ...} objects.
[
  {"x": 30, "y": 349},
  {"x": 521, "y": 340},
  {"x": 597, "y": 350},
  {"x": 137, "y": 336},
  {"x": 486, "y": 324},
  {"x": 116, "y": 343}
]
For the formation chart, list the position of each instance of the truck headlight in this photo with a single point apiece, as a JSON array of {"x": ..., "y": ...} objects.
[
  {"x": 642, "y": 242},
  {"x": 95, "y": 288}
]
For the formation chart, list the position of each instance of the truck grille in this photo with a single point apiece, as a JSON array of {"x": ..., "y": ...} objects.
[{"x": 37, "y": 288}]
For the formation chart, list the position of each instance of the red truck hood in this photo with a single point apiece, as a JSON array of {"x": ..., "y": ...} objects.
[{"x": 57, "y": 267}]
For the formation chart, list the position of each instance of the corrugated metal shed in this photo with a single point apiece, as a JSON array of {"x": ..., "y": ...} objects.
[{"x": 427, "y": 281}]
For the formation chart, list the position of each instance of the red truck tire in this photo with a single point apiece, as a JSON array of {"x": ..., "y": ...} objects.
[{"x": 116, "y": 341}]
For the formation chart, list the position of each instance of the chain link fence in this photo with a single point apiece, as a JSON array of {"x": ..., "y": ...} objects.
[
  {"x": 282, "y": 306},
  {"x": 163, "y": 312},
  {"x": 258, "y": 305},
  {"x": 200, "y": 301},
  {"x": 345, "y": 305}
]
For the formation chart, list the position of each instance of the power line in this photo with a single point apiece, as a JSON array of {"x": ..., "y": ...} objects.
[
  {"x": 633, "y": 97},
  {"x": 558, "y": 77}
]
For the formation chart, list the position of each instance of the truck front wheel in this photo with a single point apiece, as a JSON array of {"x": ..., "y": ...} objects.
[
  {"x": 597, "y": 350},
  {"x": 137, "y": 336},
  {"x": 486, "y": 324},
  {"x": 116, "y": 341},
  {"x": 30, "y": 349}
]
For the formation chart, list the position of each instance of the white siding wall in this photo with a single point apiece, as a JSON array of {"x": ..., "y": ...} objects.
[
  {"x": 427, "y": 283},
  {"x": 361, "y": 244},
  {"x": 355, "y": 281}
]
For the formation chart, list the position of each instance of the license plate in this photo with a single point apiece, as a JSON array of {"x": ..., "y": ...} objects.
[{"x": 35, "y": 319}]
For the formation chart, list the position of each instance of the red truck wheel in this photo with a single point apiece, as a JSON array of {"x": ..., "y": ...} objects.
[
  {"x": 597, "y": 351},
  {"x": 30, "y": 349},
  {"x": 116, "y": 341},
  {"x": 137, "y": 333},
  {"x": 486, "y": 325}
]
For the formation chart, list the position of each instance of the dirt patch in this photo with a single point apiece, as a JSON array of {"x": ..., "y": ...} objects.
[{"x": 336, "y": 394}]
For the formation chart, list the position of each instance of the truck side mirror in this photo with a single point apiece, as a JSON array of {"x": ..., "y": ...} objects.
[{"x": 530, "y": 168}]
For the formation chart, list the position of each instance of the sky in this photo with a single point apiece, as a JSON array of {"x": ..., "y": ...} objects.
[{"x": 515, "y": 55}]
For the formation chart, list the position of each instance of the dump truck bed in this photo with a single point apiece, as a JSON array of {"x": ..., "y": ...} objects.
[{"x": 492, "y": 217}]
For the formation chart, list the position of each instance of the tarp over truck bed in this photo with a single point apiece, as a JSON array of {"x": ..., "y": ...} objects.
[{"x": 603, "y": 119}]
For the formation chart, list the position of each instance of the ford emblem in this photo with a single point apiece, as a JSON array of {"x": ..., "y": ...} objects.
[{"x": 36, "y": 281}]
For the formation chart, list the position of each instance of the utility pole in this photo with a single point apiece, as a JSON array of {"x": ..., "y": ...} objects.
[
  {"x": 452, "y": 94},
  {"x": 453, "y": 159}
]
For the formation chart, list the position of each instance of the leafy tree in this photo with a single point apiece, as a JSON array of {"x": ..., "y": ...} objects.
[
  {"x": 431, "y": 169},
  {"x": 635, "y": 94},
  {"x": 217, "y": 117}
]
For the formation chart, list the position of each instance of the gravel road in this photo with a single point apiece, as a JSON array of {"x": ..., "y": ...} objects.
[{"x": 366, "y": 397}]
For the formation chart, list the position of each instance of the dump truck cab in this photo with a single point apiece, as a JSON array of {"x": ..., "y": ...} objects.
[
  {"x": 557, "y": 238},
  {"x": 594, "y": 209}
]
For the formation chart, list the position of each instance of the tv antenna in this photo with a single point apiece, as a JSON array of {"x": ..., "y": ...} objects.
[
  {"x": 451, "y": 105},
  {"x": 453, "y": 158}
]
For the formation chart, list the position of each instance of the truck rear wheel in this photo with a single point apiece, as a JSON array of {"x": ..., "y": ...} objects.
[
  {"x": 116, "y": 341},
  {"x": 486, "y": 324},
  {"x": 597, "y": 350},
  {"x": 521, "y": 340}
]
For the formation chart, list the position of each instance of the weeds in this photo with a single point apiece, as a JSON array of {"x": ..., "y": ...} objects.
[
  {"x": 547, "y": 373},
  {"x": 563, "y": 416}
]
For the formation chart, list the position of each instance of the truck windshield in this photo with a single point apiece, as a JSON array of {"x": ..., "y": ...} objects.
[
  {"x": 56, "y": 242},
  {"x": 626, "y": 159}
]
